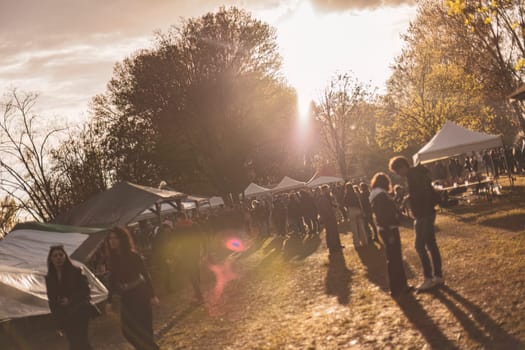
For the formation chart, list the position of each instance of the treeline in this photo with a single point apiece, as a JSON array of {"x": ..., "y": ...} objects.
[{"x": 207, "y": 109}]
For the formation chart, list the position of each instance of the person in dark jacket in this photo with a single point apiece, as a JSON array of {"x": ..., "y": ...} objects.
[
  {"x": 364, "y": 195},
  {"x": 130, "y": 279},
  {"x": 279, "y": 213},
  {"x": 355, "y": 216},
  {"x": 295, "y": 218},
  {"x": 309, "y": 211},
  {"x": 386, "y": 214},
  {"x": 422, "y": 199},
  {"x": 189, "y": 250},
  {"x": 326, "y": 208},
  {"x": 68, "y": 297}
]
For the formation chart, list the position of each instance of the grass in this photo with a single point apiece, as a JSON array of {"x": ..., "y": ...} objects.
[{"x": 289, "y": 295}]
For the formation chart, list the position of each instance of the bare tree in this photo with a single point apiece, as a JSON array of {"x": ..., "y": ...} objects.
[
  {"x": 25, "y": 171},
  {"x": 338, "y": 112}
]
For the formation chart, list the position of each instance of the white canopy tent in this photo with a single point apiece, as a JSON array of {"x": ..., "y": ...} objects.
[
  {"x": 23, "y": 255},
  {"x": 454, "y": 140},
  {"x": 323, "y": 180},
  {"x": 288, "y": 184},
  {"x": 254, "y": 190}
]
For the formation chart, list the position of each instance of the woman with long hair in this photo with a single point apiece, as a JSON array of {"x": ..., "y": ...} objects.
[
  {"x": 129, "y": 278},
  {"x": 387, "y": 219},
  {"x": 68, "y": 296}
]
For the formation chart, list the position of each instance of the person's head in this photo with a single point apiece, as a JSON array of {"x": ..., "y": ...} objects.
[
  {"x": 381, "y": 180},
  {"x": 398, "y": 189},
  {"x": 348, "y": 186},
  {"x": 364, "y": 187},
  {"x": 119, "y": 240},
  {"x": 325, "y": 189},
  {"x": 57, "y": 259},
  {"x": 399, "y": 165}
]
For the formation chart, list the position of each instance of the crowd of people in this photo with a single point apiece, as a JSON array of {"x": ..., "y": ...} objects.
[
  {"x": 496, "y": 162},
  {"x": 372, "y": 212},
  {"x": 300, "y": 212}
]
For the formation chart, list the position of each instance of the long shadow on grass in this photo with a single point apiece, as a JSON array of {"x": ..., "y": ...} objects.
[
  {"x": 485, "y": 330},
  {"x": 420, "y": 319},
  {"x": 255, "y": 245},
  {"x": 176, "y": 319},
  {"x": 513, "y": 222},
  {"x": 373, "y": 258},
  {"x": 338, "y": 278}
]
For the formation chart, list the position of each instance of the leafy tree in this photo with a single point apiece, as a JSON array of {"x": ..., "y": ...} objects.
[
  {"x": 195, "y": 109},
  {"x": 430, "y": 85},
  {"x": 493, "y": 32},
  {"x": 341, "y": 113}
]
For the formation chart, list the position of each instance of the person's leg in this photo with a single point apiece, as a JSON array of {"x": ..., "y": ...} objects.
[
  {"x": 432, "y": 246},
  {"x": 396, "y": 260},
  {"x": 352, "y": 220},
  {"x": 310, "y": 224},
  {"x": 374, "y": 227},
  {"x": 363, "y": 237},
  {"x": 333, "y": 241},
  {"x": 420, "y": 226},
  {"x": 137, "y": 324},
  {"x": 195, "y": 280},
  {"x": 316, "y": 225}
]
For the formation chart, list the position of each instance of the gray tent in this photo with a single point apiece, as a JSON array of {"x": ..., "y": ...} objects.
[
  {"x": 118, "y": 206},
  {"x": 23, "y": 254}
]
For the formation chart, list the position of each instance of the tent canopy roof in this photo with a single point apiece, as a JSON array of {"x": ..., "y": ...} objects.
[
  {"x": 453, "y": 140},
  {"x": 93, "y": 237},
  {"x": 254, "y": 190},
  {"x": 322, "y": 180},
  {"x": 23, "y": 255},
  {"x": 288, "y": 184},
  {"x": 116, "y": 206}
]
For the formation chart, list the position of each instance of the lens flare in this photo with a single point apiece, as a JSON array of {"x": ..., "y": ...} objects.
[{"x": 235, "y": 245}]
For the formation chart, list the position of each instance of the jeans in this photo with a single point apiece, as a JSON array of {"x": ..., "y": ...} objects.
[
  {"x": 426, "y": 239},
  {"x": 394, "y": 260}
]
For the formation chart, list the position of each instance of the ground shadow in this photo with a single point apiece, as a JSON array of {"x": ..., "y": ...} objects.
[
  {"x": 420, "y": 319},
  {"x": 292, "y": 247},
  {"x": 338, "y": 278},
  {"x": 176, "y": 319},
  {"x": 373, "y": 258},
  {"x": 275, "y": 244},
  {"x": 478, "y": 324},
  {"x": 310, "y": 246},
  {"x": 513, "y": 222},
  {"x": 255, "y": 245}
]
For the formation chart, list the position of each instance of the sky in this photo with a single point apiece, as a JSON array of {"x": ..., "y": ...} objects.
[{"x": 65, "y": 50}]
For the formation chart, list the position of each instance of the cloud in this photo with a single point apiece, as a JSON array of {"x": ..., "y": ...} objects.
[
  {"x": 343, "y": 5},
  {"x": 66, "y": 49}
]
